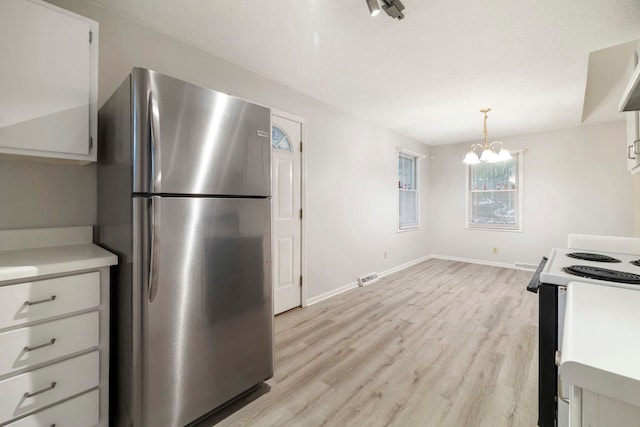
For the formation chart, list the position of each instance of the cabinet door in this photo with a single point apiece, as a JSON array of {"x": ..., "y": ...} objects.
[
  {"x": 599, "y": 410},
  {"x": 45, "y": 80},
  {"x": 81, "y": 411},
  {"x": 28, "y": 392},
  {"x": 633, "y": 128},
  {"x": 633, "y": 142}
]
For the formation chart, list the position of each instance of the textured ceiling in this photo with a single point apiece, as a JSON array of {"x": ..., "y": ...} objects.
[{"x": 426, "y": 76}]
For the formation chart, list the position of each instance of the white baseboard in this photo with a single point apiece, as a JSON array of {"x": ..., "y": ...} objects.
[
  {"x": 405, "y": 265},
  {"x": 354, "y": 285},
  {"x": 473, "y": 261},
  {"x": 331, "y": 293}
]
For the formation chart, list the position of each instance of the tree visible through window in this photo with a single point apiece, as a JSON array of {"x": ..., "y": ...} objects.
[{"x": 494, "y": 194}]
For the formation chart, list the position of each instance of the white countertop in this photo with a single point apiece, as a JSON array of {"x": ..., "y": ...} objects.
[
  {"x": 26, "y": 263},
  {"x": 601, "y": 340},
  {"x": 37, "y": 252}
]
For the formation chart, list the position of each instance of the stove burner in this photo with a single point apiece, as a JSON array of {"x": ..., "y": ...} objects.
[
  {"x": 599, "y": 273},
  {"x": 636, "y": 263},
  {"x": 593, "y": 257}
]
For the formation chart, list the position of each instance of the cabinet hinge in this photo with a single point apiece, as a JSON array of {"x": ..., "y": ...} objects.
[
  {"x": 300, "y": 281},
  {"x": 90, "y": 37},
  {"x": 90, "y": 143},
  {"x": 301, "y": 146},
  {"x": 300, "y": 213}
]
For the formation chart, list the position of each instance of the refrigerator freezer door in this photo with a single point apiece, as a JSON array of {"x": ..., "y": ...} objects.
[
  {"x": 192, "y": 140},
  {"x": 207, "y": 322}
]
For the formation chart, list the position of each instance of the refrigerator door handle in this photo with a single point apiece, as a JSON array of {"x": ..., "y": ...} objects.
[
  {"x": 153, "y": 247},
  {"x": 154, "y": 142}
]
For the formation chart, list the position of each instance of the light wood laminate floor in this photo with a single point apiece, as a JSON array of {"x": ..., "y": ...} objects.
[{"x": 442, "y": 343}]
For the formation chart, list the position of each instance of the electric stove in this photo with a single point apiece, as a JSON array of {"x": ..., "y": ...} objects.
[{"x": 600, "y": 268}]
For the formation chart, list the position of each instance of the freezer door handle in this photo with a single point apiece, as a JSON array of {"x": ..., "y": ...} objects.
[
  {"x": 153, "y": 246},
  {"x": 154, "y": 141}
]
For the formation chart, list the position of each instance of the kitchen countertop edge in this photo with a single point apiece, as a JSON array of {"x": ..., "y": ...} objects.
[{"x": 34, "y": 262}]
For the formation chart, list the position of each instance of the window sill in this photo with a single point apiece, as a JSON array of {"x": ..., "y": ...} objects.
[
  {"x": 489, "y": 228},
  {"x": 509, "y": 190},
  {"x": 403, "y": 230}
]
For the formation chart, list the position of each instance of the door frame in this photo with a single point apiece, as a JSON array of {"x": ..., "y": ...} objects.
[{"x": 303, "y": 205}]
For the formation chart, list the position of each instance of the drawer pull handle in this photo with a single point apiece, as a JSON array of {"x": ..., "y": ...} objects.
[
  {"x": 52, "y": 342},
  {"x": 35, "y": 393},
  {"x": 52, "y": 298}
]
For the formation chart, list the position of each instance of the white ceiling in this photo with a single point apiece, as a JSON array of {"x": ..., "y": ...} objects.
[{"x": 426, "y": 76}]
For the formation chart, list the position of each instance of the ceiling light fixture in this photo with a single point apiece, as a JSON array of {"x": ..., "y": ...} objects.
[
  {"x": 374, "y": 7},
  {"x": 490, "y": 153},
  {"x": 393, "y": 8}
]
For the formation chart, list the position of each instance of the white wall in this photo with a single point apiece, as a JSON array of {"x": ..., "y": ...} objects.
[
  {"x": 351, "y": 195},
  {"x": 575, "y": 181},
  {"x": 35, "y": 194}
]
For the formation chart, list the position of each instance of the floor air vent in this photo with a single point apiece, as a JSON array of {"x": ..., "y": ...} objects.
[
  {"x": 368, "y": 279},
  {"x": 525, "y": 266}
]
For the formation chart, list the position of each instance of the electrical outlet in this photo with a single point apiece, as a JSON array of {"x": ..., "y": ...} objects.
[
  {"x": 495, "y": 250},
  {"x": 385, "y": 254}
]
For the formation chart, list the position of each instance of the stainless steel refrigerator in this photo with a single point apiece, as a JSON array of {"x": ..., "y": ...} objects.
[{"x": 184, "y": 186}]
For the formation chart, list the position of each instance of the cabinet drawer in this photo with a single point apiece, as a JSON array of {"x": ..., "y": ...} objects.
[
  {"x": 27, "y": 302},
  {"x": 81, "y": 411},
  {"x": 33, "y": 390},
  {"x": 36, "y": 344}
]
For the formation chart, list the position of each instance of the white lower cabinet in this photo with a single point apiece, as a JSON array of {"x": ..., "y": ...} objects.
[
  {"x": 589, "y": 409},
  {"x": 81, "y": 411},
  {"x": 37, "y": 300},
  {"x": 54, "y": 352},
  {"x": 48, "y": 341},
  {"x": 54, "y": 328},
  {"x": 33, "y": 390}
]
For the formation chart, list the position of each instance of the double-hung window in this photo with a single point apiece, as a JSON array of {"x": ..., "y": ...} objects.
[
  {"x": 494, "y": 194},
  {"x": 408, "y": 195}
]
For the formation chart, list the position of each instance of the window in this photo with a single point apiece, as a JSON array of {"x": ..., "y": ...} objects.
[
  {"x": 279, "y": 140},
  {"x": 408, "y": 196},
  {"x": 494, "y": 194}
]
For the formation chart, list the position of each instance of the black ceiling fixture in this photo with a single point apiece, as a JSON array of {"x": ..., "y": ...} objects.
[{"x": 393, "y": 8}]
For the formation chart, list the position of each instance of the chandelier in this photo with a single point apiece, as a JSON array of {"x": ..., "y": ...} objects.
[{"x": 490, "y": 153}]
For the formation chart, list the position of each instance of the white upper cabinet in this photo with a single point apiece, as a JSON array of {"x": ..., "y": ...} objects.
[
  {"x": 633, "y": 141},
  {"x": 633, "y": 127},
  {"x": 48, "y": 82}
]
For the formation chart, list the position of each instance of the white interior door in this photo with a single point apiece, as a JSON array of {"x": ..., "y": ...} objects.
[{"x": 285, "y": 157}]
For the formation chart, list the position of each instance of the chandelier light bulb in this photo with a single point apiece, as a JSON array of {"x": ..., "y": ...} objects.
[
  {"x": 471, "y": 158},
  {"x": 504, "y": 155},
  {"x": 489, "y": 156}
]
